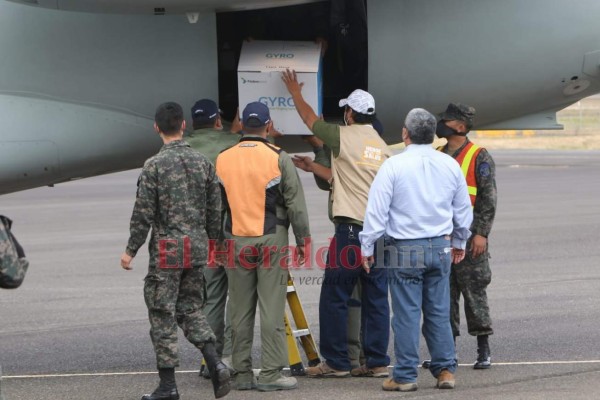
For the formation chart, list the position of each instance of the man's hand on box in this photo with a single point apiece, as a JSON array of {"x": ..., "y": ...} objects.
[
  {"x": 274, "y": 133},
  {"x": 324, "y": 45},
  {"x": 291, "y": 82}
]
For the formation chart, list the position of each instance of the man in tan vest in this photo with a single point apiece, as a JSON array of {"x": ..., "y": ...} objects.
[{"x": 357, "y": 153}]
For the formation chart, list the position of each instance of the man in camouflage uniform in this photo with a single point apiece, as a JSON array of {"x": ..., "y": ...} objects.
[
  {"x": 471, "y": 276},
  {"x": 178, "y": 197},
  {"x": 210, "y": 139},
  {"x": 13, "y": 264}
]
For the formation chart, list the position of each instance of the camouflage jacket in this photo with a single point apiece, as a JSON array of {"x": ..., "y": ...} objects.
[
  {"x": 179, "y": 197},
  {"x": 484, "y": 209},
  {"x": 13, "y": 264}
]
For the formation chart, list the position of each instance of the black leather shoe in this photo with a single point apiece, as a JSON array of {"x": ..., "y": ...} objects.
[{"x": 162, "y": 393}]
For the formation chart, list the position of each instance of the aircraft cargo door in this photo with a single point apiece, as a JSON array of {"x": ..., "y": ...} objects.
[{"x": 340, "y": 25}]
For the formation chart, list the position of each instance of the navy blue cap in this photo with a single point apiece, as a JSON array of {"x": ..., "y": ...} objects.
[
  {"x": 205, "y": 111},
  {"x": 255, "y": 115}
]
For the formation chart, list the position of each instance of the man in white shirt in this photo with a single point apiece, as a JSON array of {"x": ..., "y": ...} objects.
[{"x": 419, "y": 199}]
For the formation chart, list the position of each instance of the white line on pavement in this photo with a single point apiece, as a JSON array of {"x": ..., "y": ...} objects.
[{"x": 43, "y": 376}]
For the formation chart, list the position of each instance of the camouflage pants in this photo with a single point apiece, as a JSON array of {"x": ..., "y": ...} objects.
[
  {"x": 471, "y": 278},
  {"x": 175, "y": 297}
]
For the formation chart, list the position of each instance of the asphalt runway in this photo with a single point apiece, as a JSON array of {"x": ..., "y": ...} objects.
[{"x": 77, "y": 329}]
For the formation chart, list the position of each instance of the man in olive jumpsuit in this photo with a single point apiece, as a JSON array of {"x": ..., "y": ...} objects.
[
  {"x": 263, "y": 196},
  {"x": 210, "y": 138}
]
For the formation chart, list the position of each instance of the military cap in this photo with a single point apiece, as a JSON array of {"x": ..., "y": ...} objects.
[{"x": 459, "y": 112}]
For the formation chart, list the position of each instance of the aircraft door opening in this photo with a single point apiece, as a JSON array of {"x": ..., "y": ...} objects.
[{"x": 340, "y": 26}]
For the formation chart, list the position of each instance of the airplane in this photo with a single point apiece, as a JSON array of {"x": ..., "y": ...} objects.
[{"x": 80, "y": 79}]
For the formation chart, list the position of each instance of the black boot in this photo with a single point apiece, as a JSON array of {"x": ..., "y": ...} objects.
[
  {"x": 219, "y": 373},
  {"x": 167, "y": 389},
  {"x": 484, "y": 359}
]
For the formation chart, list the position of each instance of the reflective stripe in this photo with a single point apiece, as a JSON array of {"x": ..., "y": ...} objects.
[
  {"x": 274, "y": 182},
  {"x": 467, "y": 160},
  {"x": 468, "y": 168}
]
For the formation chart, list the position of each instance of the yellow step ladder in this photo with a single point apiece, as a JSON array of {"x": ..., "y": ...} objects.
[{"x": 300, "y": 335}]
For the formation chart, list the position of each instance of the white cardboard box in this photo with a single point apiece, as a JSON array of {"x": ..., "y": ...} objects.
[{"x": 259, "y": 79}]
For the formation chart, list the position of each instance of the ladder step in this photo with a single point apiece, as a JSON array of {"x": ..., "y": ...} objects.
[
  {"x": 301, "y": 332},
  {"x": 301, "y": 336}
]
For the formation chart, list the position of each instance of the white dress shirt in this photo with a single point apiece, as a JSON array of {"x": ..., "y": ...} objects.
[{"x": 418, "y": 194}]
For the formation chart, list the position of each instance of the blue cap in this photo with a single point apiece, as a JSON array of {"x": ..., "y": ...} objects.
[
  {"x": 205, "y": 111},
  {"x": 255, "y": 115}
]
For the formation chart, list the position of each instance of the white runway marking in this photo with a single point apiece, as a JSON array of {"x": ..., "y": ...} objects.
[
  {"x": 495, "y": 364},
  {"x": 90, "y": 374},
  {"x": 539, "y": 363}
]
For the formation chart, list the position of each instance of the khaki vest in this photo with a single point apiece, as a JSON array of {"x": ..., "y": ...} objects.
[{"x": 362, "y": 152}]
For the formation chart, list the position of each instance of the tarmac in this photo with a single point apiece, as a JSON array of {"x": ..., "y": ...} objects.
[{"x": 77, "y": 328}]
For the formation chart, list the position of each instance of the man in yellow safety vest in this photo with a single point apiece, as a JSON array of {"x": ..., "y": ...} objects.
[{"x": 471, "y": 276}]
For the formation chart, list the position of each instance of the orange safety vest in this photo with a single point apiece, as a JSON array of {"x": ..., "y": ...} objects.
[
  {"x": 250, "y": 175},
  {"x": 466, "y": 159}
]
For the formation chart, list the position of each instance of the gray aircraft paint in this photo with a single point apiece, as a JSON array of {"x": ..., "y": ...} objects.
[
  {"x": 165, "y": 6},
  {"x": 512, "y": 60},
  {"x": 78, "y": 90}
]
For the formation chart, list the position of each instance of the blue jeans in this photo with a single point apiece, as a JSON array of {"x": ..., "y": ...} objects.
[
  {"x": 343, "y": 271},
  {"x": 418, "y": 275}
]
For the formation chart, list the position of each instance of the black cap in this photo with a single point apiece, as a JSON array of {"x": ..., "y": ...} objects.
[{"x": 205, "y": 111}]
